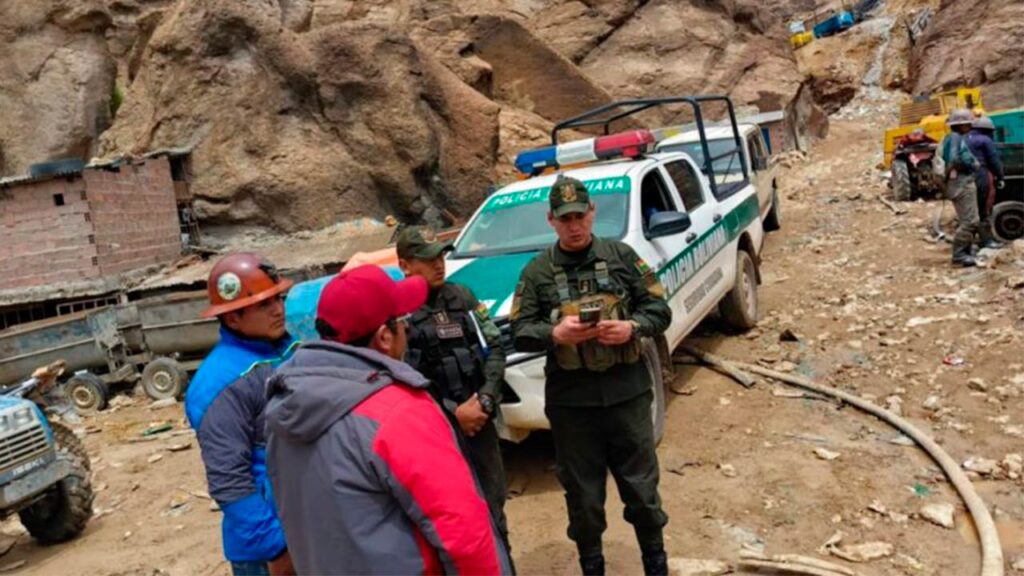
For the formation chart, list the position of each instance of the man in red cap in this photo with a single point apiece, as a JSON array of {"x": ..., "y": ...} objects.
[
  {"x": 225, "y": 403},
  {"x": 366, "y": 470}
]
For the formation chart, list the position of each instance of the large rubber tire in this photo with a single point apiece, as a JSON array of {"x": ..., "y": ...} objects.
[
  {"x": 69, "y": 443},
  {"x": 902, "y": 189},
  {"x": 87, "y": 393},
  {"x": 739, "y": 306},
  {"x": 773, "y": 220},
  {"x": 1008, "y": 220},
  {"x": 164, "y": 378},
  {"x": 64, "y": 511},
  {"x": 652, "y": 361}
]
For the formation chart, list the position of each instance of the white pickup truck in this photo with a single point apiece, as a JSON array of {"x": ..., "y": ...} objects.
[
  {"x": 728, "y": 166},
  {"x": 701, "y": 233}
]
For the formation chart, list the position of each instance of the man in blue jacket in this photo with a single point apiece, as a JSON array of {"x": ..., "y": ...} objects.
[
  {"x": 225, "y": 405},
  {"x": 988, "y": 177}
]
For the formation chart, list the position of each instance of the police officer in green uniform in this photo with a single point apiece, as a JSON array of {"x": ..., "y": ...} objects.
[
  {"x": 588, "y": 302},
  {"x": 454, "y": 342}
]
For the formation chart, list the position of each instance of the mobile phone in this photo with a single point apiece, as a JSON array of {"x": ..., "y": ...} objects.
[{"x": 590, "y": 315}]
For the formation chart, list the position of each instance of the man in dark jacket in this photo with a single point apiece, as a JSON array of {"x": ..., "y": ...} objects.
[
  {"x": 367, "y": 474},
  {"x": 225, "y": 403},
  {"x": 988, "y": 178},
  {"x": 588, "y": 302},
  {"x": 454, "y": 343}
]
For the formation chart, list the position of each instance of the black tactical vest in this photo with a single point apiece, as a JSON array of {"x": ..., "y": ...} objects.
[{"x": 444, "y": 345}]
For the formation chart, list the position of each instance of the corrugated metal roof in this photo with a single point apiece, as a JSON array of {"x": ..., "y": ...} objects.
[{"x": 94, "y": 165}]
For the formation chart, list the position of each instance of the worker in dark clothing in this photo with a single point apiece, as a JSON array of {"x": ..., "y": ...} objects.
[
  {"x": 588, "y": 302},
  {"x": 454, "y": 342},
  {"x": 988, "y": 178}
]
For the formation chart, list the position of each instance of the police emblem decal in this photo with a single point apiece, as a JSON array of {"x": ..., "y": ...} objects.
[{"x": 568, "y": 192}]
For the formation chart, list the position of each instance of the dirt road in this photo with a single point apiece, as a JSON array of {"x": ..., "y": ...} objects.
[{"x": 874, "y": 308}]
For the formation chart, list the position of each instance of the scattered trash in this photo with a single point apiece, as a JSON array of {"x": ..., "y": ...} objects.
[
  {"x": 920, "y": 490},
  {"x": 157, "y": 429},
  {"x": 983, "y": 466},
  {"x": 165, "y": 403},
  {"x": 939, "y": 514},
  {"x": 951, "y": 360},
  {"x": 825, "y": 454}
]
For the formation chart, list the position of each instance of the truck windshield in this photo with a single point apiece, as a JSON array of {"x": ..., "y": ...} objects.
[
  {"x": 727, "y": 165},
  {"x": 517, "y": 221}
]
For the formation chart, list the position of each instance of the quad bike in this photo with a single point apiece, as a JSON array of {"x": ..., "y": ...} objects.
[{"x": 912, "y": 174}]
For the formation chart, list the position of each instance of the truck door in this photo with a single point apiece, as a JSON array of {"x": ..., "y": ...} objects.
[
  {"x": 689, "y": 277},
  {"x": 762, "y": 173}
]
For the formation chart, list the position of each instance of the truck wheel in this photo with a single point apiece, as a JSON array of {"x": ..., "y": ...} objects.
[
  {"x": 739, "y": 306},
  {"x": 87, "y": 392},
  {"x": 1008, "y": 220},
  {"x": 773, "y": 220},
  {"x": 164, "y": 378},
  {"x": 68, "y": 443},
  {"x": 654, "y": 370},
  {"x": 901, "y": 187},
  {"x": 65, "y": 509}
]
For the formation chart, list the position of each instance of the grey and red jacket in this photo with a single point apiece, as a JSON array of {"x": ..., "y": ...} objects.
[{"x": 367, "y": 473}]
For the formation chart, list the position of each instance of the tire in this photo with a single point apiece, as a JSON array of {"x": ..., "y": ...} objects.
[
  {"x": 773, "y": 221},
  {"x": 70, "y": 444},
  {"x": 652, "y": 361},
  {"x": 902, "y": 189},
  {"x": 87, "y": 393},
  {"x": 739, "y": 306},
  {"x": 1008, "y": 221},
  {"x": 64, "y": 511},
  {"x": 164, "y": 378}
]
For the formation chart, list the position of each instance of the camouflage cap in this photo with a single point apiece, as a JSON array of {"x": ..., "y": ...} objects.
[
  {"x": 568, "y": 195},
  {"x": 421, "y": 243}
]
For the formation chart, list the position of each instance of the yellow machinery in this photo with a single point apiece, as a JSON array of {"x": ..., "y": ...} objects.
[
  {"x": 930, "y": 115},
  {"x": 801, "y": 39}
]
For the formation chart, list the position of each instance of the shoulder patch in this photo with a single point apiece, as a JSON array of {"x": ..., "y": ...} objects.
[
  {"x": 642, "y": 267},
  {"x": 482, "y": 313}
]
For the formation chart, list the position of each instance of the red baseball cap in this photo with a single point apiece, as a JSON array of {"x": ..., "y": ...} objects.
[{"x": 358, "y": 301}]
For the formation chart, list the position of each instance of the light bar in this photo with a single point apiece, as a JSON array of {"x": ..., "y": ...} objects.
[
  {"x": 624, "y": 144},
  {"x": 629, "y": 144}
]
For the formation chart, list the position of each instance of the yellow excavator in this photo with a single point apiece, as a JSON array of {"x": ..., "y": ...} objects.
[{"x": 929, "y": 114}]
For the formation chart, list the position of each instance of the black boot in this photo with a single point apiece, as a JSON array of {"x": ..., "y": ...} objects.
[
  {"x": 655, "y": 563},
  {"x": 962, "y": 255},
  {"x": 592, "y": 565}
]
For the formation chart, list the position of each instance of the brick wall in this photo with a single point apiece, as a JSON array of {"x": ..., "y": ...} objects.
[
  {"x": 42, "y": 242},
  {"x": 134, "y": 216}
]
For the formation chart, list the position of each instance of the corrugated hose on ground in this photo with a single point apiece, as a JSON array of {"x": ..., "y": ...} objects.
[{"x": 991, "y": 549}]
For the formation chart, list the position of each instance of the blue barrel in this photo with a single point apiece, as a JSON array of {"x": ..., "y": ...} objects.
[{"x": 300, "y": 305}]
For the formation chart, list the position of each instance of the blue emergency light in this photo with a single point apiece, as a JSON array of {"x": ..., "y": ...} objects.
[{"x": 629, "y": 144}]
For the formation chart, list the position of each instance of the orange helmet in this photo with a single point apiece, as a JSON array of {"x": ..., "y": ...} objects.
[{"x": 240, "y": 280}]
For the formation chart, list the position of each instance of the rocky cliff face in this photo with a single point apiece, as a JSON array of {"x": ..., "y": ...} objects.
[{"x": 304, "y": 112}]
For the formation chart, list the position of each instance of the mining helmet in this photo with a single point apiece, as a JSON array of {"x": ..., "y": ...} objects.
[
  {"x": 240, "y": 280},
  {"x": 959, "y": 117},
  {"x": 984, "y": 123}
]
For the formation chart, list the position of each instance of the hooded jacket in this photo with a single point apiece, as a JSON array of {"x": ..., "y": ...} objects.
[
  {"x": 367, "y": 473},
  {"x": 224, "y": 405}
]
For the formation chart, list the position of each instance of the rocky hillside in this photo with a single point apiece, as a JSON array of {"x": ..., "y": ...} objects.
[{"x": 301, "y": 113}]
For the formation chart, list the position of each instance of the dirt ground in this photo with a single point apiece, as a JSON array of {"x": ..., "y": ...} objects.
[{"x": 875, "y": 309}]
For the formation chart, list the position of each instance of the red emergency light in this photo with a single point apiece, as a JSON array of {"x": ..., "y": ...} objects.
[{"x": 628, "y": 144}]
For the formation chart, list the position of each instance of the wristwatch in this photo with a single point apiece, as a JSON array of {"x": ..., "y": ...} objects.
[
  {"x": 636, "y": 328},
  {"x": 487, "y": 403}
]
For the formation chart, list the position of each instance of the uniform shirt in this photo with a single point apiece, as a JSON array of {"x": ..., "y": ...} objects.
[{"x": 537, "y": 296}]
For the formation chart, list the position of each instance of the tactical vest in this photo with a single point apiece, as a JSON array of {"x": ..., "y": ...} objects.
[
  {"x": 444, "y": 347},
  {"x": 581, "y": 289}
]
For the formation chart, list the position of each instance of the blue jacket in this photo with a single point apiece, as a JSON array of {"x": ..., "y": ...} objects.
[
  {"x": 225, "y": 404},
  {"x": 984, "y": 149}
]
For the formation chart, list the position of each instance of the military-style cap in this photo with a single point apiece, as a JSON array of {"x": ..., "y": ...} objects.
[
  {"x": 421, "y": 243},
  {"x": 568, "y": 195}
]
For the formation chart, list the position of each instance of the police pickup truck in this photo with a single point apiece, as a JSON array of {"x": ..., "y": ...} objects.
[{"x": 700, "y": 230}]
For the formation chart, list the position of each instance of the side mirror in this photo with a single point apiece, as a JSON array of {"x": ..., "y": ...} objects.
[
  {"x": 760, "y": 164},
  {"x": 667, "y": 223}
]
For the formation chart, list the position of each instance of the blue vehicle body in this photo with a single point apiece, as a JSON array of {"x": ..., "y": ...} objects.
[
  {"x": 35, "y": 469},
  {"x": 300, "y": 306},
  {"x": 836, "y": 23}
]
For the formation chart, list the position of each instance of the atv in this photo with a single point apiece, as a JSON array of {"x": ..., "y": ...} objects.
[{"x": 912, "y": 174}]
